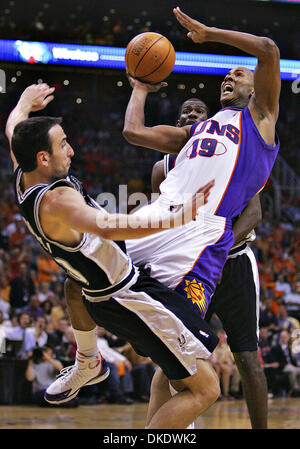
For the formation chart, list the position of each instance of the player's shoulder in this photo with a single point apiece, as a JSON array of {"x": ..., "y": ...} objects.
[{"x": 56, "y": 199}]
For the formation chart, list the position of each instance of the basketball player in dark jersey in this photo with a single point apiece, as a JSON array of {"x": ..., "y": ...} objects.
[
  {"x": 88, "y": 243},
  {"x": 236, "y": 299}
]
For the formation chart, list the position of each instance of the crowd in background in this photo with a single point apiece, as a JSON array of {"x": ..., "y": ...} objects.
[
  {"x": 32, "y": 303},
  {"x": 104, "y": 23},
  {"x": 33, "y": 312}
]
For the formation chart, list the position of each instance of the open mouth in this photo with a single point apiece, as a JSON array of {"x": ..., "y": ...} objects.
[{"x": 227, "y": 88}]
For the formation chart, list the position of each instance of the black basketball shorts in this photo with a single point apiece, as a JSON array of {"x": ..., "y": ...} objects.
[
  {"x": 159, "y": 323},
  {"x": 236, "y": 301}
]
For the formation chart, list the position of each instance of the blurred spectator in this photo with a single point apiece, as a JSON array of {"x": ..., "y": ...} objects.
[
  {"x": 55, "y": 337},
  {"x": 4, "y": 287},
  {"x": 18, "y": 235},
  {"x": 18, "y": 332},
  {"x": 142, "y": 372},
  {"x": 270, "y": 366},
  {"x": 33, "y": 308},
  {"x": 283, "y": 320},
  {"x": 58, "y": 311},
  {"x": 47, "y": 269},
  {"x": 22, "y": 288},
  {"x": 66, "y": 351},
  {"x": 42, "y": 369},
  {"x": 36, "y": 336},
  {"x": 44, "y": 292},
  {"x": 4, "y": 323},
  {"x": 287, "y": 363},
  {"x": 121, "y": 363},
  {"x": 292, "y": 299},
  {"x": 268, "y": 318},
  {"x": 223, "y": 363},
  {"x": 46, "y": 306}
]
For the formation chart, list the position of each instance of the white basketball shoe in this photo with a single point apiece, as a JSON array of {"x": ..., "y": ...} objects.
[{"x": 85, "y": 371}]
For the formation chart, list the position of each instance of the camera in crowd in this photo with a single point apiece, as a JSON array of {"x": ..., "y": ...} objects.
[{"x": 37, "y": 354}]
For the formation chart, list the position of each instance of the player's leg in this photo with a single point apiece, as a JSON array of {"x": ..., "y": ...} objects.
[
  {"x": 195, "y": 394},
  {"x": 89, "y": 368},
  {"x": 236, "y": 303},
  {"x": 254, "y": 387},
  {"x": 159, "y": 394},
  {"x": 159, "y": 324}
]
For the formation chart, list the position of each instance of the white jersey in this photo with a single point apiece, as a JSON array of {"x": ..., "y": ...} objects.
[{"x": 229, "y": 149}]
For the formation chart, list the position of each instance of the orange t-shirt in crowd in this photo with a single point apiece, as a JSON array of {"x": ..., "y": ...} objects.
[{"x": 45, "y": 265}]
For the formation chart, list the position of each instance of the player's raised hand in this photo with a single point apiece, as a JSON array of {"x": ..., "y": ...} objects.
[
  {"x": 197, "y": 31},
  {"x": 146, "y": 86},
  {"x": 37, "y": 96}
]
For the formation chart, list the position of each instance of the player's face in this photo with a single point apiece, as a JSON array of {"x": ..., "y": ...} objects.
[
  {"x": 192, "y": 112},
  {"x": 62, "y": 152},
  {"x": 237, "y": 87}
]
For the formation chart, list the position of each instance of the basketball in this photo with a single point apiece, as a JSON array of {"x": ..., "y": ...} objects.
[{"x": 150, "y": 57}]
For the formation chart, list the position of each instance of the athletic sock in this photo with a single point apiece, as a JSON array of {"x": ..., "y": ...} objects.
[{"x": 86, "y": 342}]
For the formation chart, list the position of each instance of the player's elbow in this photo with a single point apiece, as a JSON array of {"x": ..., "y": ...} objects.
[
  {"x": 131, "y": 135},
  {"x": 269, "y": 49}
]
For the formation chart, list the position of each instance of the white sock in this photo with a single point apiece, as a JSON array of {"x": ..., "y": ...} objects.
[
  {"x": 86, "y": 342},
  {"x": 173, "y": 392}
]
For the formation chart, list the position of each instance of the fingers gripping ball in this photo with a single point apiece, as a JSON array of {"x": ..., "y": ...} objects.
[{"x": 150, "y": 57}]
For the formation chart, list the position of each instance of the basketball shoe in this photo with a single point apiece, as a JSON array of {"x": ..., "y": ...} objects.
[{"x": 85, "y": 371}]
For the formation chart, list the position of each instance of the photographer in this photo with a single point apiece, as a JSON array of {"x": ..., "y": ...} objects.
[{"x": 41, "y": 370}]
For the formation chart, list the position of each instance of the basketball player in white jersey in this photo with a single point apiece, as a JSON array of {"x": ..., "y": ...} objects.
[
  {"x": 238, "y": 144},
  {"x": 236, "y": 298},
  {"x": 88, "y": 243}
]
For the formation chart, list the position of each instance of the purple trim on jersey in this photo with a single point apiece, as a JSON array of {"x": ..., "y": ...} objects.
[
  {"x": 193, "y": 128},
  {"x": 252, "y": 169},
  {"x": 208, "y": 269}
]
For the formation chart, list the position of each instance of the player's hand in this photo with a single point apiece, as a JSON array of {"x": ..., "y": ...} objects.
[
  {"x": 146, "y": 86},
  {"x": 37, "y": 96},
  {"x": 188, "y": 210},
  {"x": 197, "y": 31}
]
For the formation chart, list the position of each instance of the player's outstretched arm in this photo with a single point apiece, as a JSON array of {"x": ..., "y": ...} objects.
[
  {"x": 34, "y": 98},
  {"x": 167, "y": 139},
  {"x": 65, "y": 207},
  {"x": 263, "y": 104},
  {"x": 248, "y": 220}
]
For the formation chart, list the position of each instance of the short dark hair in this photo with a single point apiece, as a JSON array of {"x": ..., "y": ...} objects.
[
  {"x": 194, "y": 100},
  {"x": 31, "y": 136}
]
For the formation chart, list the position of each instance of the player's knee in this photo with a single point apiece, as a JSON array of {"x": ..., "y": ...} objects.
[
  {"x": 248, "y": 362},
  {"x": 209, "y": 392},
  {"x": 72, "y": 291}
]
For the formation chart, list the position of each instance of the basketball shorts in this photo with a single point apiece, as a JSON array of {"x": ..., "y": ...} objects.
[
  {"x": 188, "y": 259},
  {"x": 236, "y": 300},
  {"x": 158, "y": 325}
]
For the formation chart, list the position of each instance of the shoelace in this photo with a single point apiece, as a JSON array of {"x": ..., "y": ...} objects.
[{"x": 66, "y": 372}]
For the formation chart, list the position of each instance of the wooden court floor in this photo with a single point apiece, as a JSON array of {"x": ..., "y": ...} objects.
[{"x": 283, "y": 414}]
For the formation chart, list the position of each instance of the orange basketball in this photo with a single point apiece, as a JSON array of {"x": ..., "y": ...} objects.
[{"x": 150, "y": 57}]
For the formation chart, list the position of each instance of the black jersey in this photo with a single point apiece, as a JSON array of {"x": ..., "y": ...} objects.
[{"x": 101, "y": 266}]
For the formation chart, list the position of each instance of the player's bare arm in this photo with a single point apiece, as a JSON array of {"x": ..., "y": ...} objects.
[
  {"x": 65, "y": 216},
  {"x": 263, "y": 104},
  {"x": 164, "y": 138},
  {"x": 157, "y": 176},
  {"x": 34, "y": 98},
  {"x": 248, "y": 220}
]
